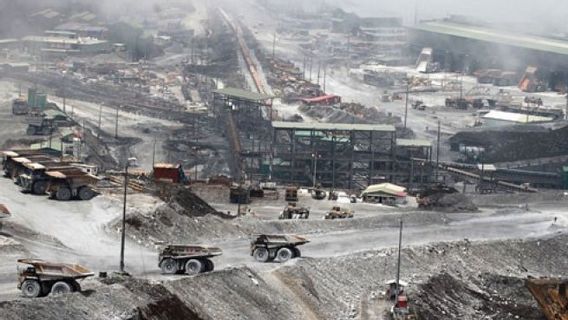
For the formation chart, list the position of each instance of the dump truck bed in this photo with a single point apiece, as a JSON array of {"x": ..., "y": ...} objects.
[
  {"x": 190, "y": 251},
  {"x": 279, "y": 239},
  {"x": 55, "y": 270},
  {"x": 4, "y": 212}
]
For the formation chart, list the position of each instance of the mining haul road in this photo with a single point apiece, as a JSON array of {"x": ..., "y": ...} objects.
[{"x": 77, "y": 232}]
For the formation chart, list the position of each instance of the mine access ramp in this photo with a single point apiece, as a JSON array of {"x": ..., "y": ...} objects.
[
  {"x": 189, "y": 259},
  {"x": 40, "y": 278},
  {"x": 267, "y": 247}
]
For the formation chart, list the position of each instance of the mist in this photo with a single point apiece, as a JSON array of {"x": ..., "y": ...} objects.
[{"x": 522, "y": 15}]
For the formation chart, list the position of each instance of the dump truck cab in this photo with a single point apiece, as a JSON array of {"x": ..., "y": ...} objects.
[
  {"x": 38, "y": 278},
  {"x": 189, "y": 259},
  {"x": 268, "y": 247}
]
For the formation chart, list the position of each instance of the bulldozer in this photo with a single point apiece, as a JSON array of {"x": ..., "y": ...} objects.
[
  {"x": 293, "y": 212},
  {"x": 337, "y": 213}
]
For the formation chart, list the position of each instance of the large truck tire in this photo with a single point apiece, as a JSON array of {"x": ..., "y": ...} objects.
[
  {"x": 63, "y": 194},
  {"x": 169, "y": 266},
  {"x": 60, "y": 287},
  {"x": 75, "y": 286},
  {"x": 86, "y": 193},
  {"x": 261, "y": 254},
  {"x": 31, "y": 289},
  {"x": 209, "y": 265},
  {"x": 297, "y": 253},
  {"x": 39, "y": 187},
  {"x": 284, "y": 254},
  {"x": 194, "y": 266}
]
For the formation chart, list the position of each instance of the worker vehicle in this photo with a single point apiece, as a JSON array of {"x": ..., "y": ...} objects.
[
  {"x": 337, "y": 213},
  {"x": 66, "y": 184},
  {"x": 293, "y": 212},
  {"x": 291, "y": 194},
  {"x": 268, "y": 247},
  {"x": 318, "y": 194},
  {"x": 419, "y": 105},
  {"x": 189, "y": 259},
  {"x": 20, "y": 106},
  {"x": 39, "y": 278}
]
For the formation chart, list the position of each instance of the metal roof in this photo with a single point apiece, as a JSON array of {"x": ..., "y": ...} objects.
[
  {"x": 413, "y": 143},
  {"x": 332, "y": 126},
  {"x": 514, "y": 117},
  {"x": 495, "y": 36},
  {"x": 243, "y": 94},
  {"x": 386, "y": 188}
]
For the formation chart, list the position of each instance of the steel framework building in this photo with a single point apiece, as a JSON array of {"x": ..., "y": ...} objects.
[{"x": 346, "y": 156}]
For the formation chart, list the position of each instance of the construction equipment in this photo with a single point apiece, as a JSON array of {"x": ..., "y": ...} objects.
[
  {"x": 20, "y": 106},
  {"x": 293, "y": 212},
  {"x": 40, "y": 278},
  {"x": 34, "y": 178},
  {"x": 337, "y": 213},
  {"x": 239, "y": 194},
  {"x": 291, "y": 194},
  {"x": 318, "y": 194},
  {"x": 418, "y": 105},
  {"x": 457, "y": 103},
  {"x": 171, "y": 173},
  {"x": 4, "y": 213},
  {"x": 40, "y": 125},
  {"x": 551, "y": 295},
  {"x": 13, "y": 162},
  {"x": 66, "y": 184},
  {"x": 267, "y": 247},
  {"x": 189, "y": 259}
]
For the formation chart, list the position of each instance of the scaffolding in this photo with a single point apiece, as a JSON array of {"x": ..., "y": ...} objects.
[
  {"x": 347, "y": 156},
  {"x": 245, "y": 118}
]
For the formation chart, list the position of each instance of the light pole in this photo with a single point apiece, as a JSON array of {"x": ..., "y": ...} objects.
[
  {"x": 315, "y": 156},
  {"x": 406, "y": 102},
  {"x": 123, "y": 236}
]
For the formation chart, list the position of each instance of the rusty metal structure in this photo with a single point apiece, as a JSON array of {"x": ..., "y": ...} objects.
[
  {"x": 243, "y": 116},
  {"x": 551, "y": 295}
]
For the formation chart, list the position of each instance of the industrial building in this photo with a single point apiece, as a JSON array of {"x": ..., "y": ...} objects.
[
  {"x": 60, "y": 43},
  {"x": 462, "y": 46}
]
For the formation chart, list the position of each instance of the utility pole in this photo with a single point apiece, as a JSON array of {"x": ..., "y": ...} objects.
[
  {"x": 123, "y": 236},
  {"x": 406, "y": 102},
  {"x": 100, "y": 116},
  {"x": 315, "y": 155},
  {"x": 438, "y": 150},
  {"x": 274, "y": 46},
  {"x": 64, "y": 95},
  {"x": 116, "y": 124},
  {"x": 154, "y": 153},
  {"x": 311, "y": 65},
  {"x": 319, "y": 69},
  {"x": 304, "y": 68},
  {"x": 398, "y": 263},
  {"x": 324, "y": 76}
]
